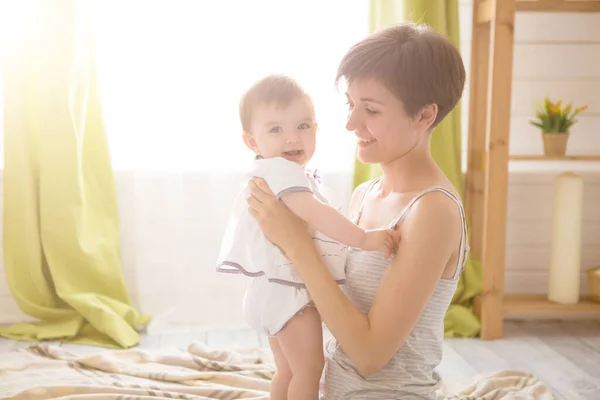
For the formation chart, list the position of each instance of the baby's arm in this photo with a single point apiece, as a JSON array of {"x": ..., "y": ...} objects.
[{"x": 332, "y": 223}]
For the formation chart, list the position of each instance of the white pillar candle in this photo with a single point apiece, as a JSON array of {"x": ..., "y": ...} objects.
[{"x": 565, "y": 259}]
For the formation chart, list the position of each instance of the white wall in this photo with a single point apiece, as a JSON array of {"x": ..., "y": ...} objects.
[
  {"x": 555, "y": 55},
  {"x": 169, "y": 241}
]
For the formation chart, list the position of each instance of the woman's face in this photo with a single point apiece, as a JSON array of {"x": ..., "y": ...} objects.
[{"x": 384, "y": 130}]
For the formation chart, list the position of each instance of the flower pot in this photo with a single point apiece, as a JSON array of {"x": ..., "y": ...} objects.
[{"x": 555, "y": 144}]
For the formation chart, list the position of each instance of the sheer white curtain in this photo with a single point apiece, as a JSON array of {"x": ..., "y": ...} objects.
[{"x": 171, "y": 74}]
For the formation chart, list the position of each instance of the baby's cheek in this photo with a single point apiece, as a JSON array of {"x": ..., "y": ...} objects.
[{"x": 270, "y": 148}]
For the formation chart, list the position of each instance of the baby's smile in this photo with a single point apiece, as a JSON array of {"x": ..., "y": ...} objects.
[{"x": 294, "y": 155}]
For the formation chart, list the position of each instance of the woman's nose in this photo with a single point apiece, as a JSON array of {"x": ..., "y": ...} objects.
[{"x": 352, "y": 121}]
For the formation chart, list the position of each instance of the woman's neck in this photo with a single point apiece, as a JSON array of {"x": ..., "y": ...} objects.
[{"x": 413, "y": 172}]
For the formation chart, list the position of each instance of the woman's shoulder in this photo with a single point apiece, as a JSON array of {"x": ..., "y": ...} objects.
[
  {"x": 438, "y": 199},
  {"x": 437, "y": 209},
  {"x": 443, "y": 193}
]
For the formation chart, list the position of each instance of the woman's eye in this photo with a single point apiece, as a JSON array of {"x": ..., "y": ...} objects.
[
  {"x": 372, "y": 112},
  {"x": 275, "y": 129}
]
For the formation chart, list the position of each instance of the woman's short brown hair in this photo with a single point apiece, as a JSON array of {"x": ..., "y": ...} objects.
[{"x": 418, "y": 65}]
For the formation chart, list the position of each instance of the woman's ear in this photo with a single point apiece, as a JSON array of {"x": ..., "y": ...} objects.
[{"x": 427, "y": 116}]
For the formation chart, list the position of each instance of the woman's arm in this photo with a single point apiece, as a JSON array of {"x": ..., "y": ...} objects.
[{"x": 430, "y": 236}]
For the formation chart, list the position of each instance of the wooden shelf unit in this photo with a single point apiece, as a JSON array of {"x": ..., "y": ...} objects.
[{"x": 488, "y": 154}]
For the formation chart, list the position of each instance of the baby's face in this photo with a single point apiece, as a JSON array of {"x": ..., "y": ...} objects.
[{"x": 287, "y": 132}]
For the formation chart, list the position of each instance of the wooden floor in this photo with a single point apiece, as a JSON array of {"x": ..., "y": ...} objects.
[{"x": 565, "y": 355}]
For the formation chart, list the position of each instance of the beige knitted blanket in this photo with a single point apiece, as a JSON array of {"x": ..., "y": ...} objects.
[{"x": 45, "y": 371}]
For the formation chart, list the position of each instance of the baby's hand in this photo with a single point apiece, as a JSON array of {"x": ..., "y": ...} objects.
[{"x": 381, "y": 239}]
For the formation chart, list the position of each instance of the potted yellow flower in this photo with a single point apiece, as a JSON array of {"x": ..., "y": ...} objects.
[{"x": 555, "y": 120}]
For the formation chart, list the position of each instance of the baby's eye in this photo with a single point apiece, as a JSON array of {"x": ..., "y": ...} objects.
[
  {"x": 304, "y": 126},
  {"x": 275, "y": 129}
]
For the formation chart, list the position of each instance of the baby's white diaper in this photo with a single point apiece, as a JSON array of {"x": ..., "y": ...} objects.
[{"x": 268, "y": 306}]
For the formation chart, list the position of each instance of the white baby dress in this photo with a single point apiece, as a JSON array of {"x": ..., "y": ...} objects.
[{"x": 246, "y": 250}]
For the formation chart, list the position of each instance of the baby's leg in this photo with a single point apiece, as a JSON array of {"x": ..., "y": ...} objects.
[
  {"x": 302, "y": 344},
  {"x": 283, "y": 374}
]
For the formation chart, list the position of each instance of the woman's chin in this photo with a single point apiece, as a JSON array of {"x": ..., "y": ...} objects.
[{"x": 367, "y": 157}]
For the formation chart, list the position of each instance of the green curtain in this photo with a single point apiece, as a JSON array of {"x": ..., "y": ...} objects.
[
  {"x": 442, "y": 16},
  {"x": 61, "y": 236}
]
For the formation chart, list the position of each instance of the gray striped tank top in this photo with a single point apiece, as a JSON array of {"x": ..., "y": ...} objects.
[{"x": 410, "y": 373}]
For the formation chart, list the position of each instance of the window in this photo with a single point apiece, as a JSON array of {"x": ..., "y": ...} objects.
[{"x": 171, "y": 74}]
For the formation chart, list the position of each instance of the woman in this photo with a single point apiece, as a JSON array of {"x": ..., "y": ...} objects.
[{"x": 388, "y": 319}]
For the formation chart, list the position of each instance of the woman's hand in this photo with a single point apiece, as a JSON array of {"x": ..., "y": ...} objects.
[{"x": 281, "y": 226}]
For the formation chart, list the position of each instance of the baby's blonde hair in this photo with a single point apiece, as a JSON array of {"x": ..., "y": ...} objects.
[{"x": 276, "y": 89}]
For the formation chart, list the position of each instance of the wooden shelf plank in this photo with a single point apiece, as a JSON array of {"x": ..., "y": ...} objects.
[
  {"x": 484, "y": 11},
  {"x": 525, "y": 157},
  {"x": 527, "y": 303},
  {"x": 559, "y": 5}
]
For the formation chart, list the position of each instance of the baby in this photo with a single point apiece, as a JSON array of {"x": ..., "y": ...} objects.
[{"x": 278, "y": 122}]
